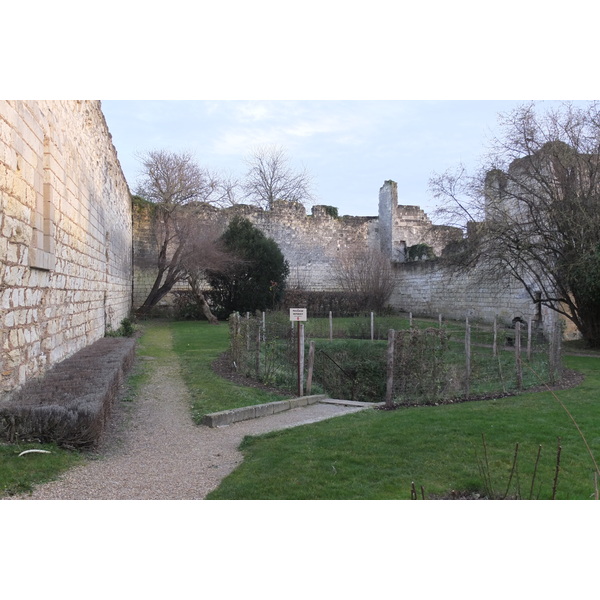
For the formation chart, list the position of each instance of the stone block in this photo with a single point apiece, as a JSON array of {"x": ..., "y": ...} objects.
[
  {"x": 218, "y": 419},
  {"x": 243, "y": 414},
  {"x": 281, "y": 406},
  {"x": 263, "y": 410}
]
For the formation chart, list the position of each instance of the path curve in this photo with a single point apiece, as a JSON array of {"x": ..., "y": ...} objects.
[{"x": 156, "y": 451}]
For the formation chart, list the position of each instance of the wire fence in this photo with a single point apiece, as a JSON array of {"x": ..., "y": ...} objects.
[{"x": 396, "y": 360}]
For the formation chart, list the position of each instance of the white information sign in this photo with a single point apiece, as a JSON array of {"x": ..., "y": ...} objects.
[{"x": 297, "y": 314}]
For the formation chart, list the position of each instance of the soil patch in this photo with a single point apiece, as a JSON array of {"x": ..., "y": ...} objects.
[
  {"x": 569, "y": 379},
  {"x": 223, "y": 366}
]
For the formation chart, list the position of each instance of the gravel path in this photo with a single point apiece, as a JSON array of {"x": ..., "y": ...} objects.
[{"x": 155, "y": 452}]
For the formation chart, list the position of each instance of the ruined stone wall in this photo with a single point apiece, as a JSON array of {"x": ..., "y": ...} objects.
[
  {"x": 65, "y": 234},
  {"x": 429, "y": 289},
  {"x": 402, "y": 226},
  {"x": 311, "y": 243}
]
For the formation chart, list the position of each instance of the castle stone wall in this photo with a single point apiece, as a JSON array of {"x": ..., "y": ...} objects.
[
  {"x": 65, "y": 234},
  {"x": 311, "y": 243},
  {"x": 428, "y": 289}
]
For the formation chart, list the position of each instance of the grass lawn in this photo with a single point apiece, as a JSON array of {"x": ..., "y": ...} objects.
[
  {"x": 378, "y": 454},
  {"x": 369, "y": 455},
  {"x": 18, "y": 474},
  {"x": 197, "y": 344}
]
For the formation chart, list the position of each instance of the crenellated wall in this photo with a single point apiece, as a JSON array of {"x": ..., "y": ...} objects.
[
  {"x": 65, "y": 234},
  {"x": 311, "y": 243}
]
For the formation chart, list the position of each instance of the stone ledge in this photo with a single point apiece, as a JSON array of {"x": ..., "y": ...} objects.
[
  {"x": 71, "y": 403},
  {"x": 227, "y": 417},
  {"x": 352, "y": 403}
]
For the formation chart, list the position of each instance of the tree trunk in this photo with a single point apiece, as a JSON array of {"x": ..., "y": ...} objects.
[
  {"x": 206, "y": 309},
  {"x": 201, "y": 301}
]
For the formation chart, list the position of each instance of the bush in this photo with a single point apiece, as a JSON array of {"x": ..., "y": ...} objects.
[
  {"x": 320, "y": 304},
  {"x": 257, "y": 280},
  {"x": 70, "y": 405},
  {"x": 421, "y": 365},
  {"x": 125, "y": 330},
  {"x": 351, "y": 369}
]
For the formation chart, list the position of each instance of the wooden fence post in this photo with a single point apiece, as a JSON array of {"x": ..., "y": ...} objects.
[
  {"x": 529, "y": 339},
  {"x": 389, "y": 392},
  {"x": 372, "y": 327},
  {"x": 495, "y": 343},
  {"x": 258, "y": 341},
  {"x": 555, "y": 350},
  {"x": 247, "y": 332},
  {"x": 330, "y": 326},
  {"x": 300, "y": 358},
  {"x": 311, "y": 363},
  {"x": 518, "y": 365},
  {"x": 468, "y": 357}
]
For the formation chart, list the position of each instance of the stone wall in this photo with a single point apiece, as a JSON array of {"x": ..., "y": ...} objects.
[
  {"x": 402, "y": 226},
  {"x": 428, "y": 289},
  {"x": 310, "y": 243},
  {"x": 65, "y": 234}
]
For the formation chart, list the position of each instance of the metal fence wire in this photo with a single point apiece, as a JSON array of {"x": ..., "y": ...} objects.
[{"x": 431, "y": 363}]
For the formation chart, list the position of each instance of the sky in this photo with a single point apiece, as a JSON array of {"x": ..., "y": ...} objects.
[{"x": 349, "y": 148}]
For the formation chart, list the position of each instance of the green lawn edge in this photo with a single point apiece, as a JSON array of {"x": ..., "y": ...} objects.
[{"x": 380, "y": 454}]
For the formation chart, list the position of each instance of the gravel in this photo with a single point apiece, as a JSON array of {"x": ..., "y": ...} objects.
[{"x": 154, "y": 451}]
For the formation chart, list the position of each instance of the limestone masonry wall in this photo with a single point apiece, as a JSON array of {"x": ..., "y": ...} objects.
[
  {"x": 65, "y": 235},
  {"x": 429, "y": 289},
  {"x": 312, "y": 243}
]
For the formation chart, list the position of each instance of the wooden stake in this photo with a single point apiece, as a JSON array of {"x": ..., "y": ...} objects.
[
  {"x": 518, "y": 365},
  {"x": 300, "y": 358},
  {"x": 468, "y": 357},
  {"x": 311, "y": 362},
  {"x": 389, "y": 392}
]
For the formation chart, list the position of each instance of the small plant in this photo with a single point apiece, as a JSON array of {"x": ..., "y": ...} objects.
[
  {"x": 488, "y": 488},
  {"x": 126, "y": 329},
  {"x": 420, "y": 252},
  {"x": 422, "y": 364},
  {"x": 332, "y": 211}
]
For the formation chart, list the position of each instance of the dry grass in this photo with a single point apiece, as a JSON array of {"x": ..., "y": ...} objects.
[{"x": 70, "y": 405}]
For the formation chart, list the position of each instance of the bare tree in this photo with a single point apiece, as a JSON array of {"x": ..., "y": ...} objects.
[
  {"x": 179, "y": 191},
  {"x": 532, "y": 212},
  {"x": 204, "y": 251},
  {"x": 270, "y": 177},
  {"x": 368, "y": 275}
]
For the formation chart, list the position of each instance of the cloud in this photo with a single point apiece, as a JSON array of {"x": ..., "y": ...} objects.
[{"x": 240, "y": 126}]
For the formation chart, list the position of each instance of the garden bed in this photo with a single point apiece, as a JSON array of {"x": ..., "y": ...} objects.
[{"x": 71, "y": 403}]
